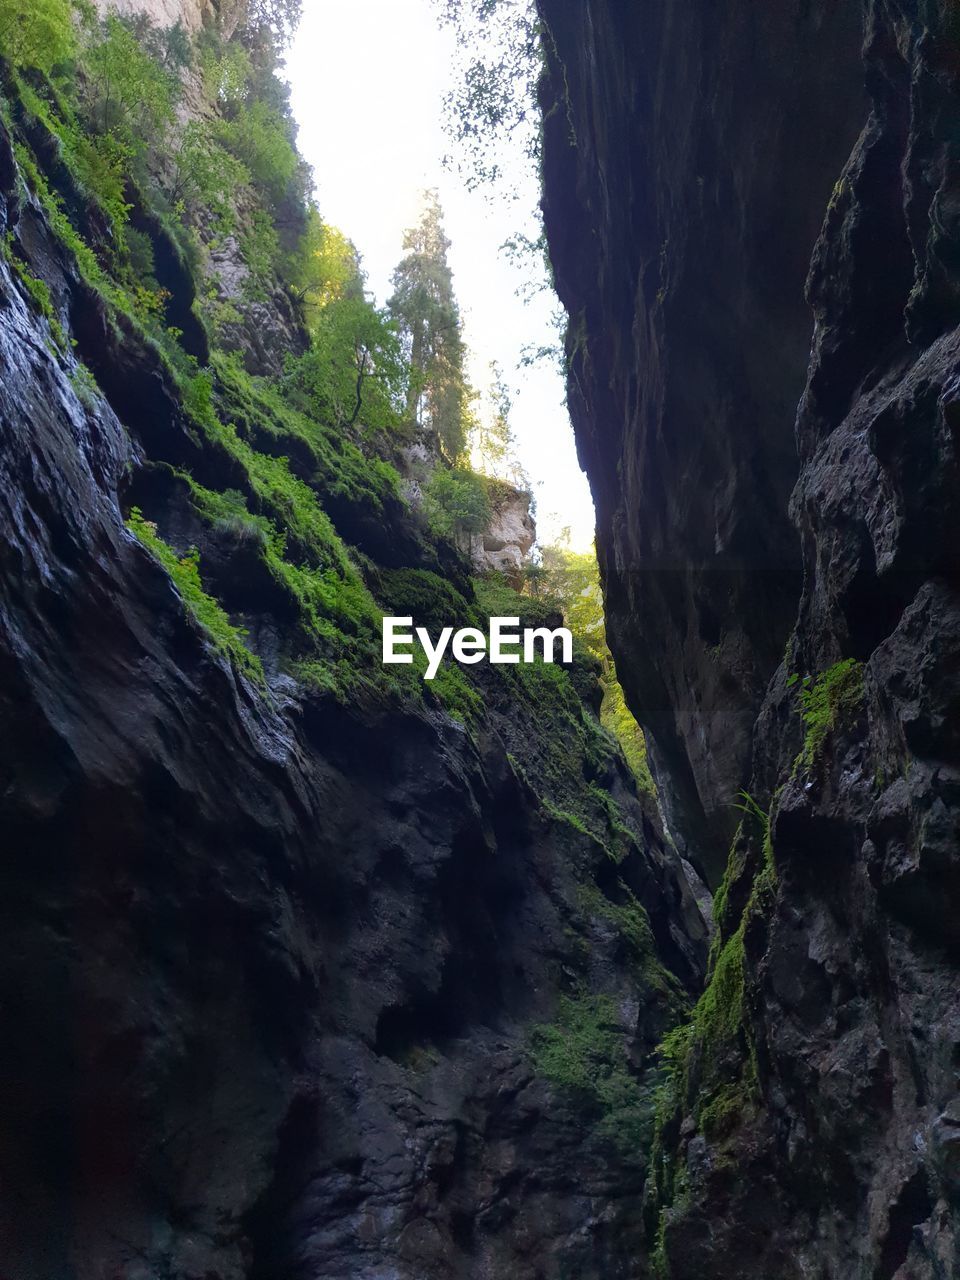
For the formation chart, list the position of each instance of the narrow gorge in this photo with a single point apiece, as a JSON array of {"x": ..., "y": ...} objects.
[{"x": 313, "y": 969}]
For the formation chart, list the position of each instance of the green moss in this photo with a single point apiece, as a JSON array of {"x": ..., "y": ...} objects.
[
  {"x": 185, "y": 572},
  {"x": 583, "y": 1054},
  {"x": 432, "y": 601},
  {"x": 638, "y": 945},
  {"x": 339, "y": 620},
  {"x": 710, "y": 1062},
  {"x": 718, "y": 1117},
  {"x": 84, "y": 385},
  {"x": 453, "y": 690},
  {"x": 718, "y": 1015},
  {"x": 660, "y": 1267},
  {"x": 139, "y": 307},
  {"x": 497, "y": 599},
  {"x": 262, "y": 417},
  {"x": 835, "y": 694},
  {"x": 571, "y": 819},
  {"x": 39, "y": 293}
]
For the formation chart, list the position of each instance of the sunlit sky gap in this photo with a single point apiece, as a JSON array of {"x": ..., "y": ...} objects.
[{"x": 368, "y": 79}]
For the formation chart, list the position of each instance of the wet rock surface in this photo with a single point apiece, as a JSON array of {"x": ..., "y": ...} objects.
[
  {"x": 835, "y": 1155},
  {"x": 689, "y": 156},
  {"x": 270, "y": 965}
]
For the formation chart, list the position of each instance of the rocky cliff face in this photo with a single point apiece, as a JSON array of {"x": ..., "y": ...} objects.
[
  {"x": 690, "y": 154},
  {"x": 193, "y": 14},
  {"x": 509, "y": 538},
  {"x": 301, "y": 974},
  {"x": 805, "y": 651}
]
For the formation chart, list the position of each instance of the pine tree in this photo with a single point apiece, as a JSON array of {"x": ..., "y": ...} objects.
[
  {"x": 492, "y": 440},
  {"x": 428, "y": 320}
]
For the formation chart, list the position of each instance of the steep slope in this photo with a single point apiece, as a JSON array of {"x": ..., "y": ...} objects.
[
  {"x": 303, "y": 971},
  {"x": 812, "y": 1125}
]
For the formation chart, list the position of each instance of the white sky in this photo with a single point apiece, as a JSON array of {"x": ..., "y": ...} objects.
[{"x": 368, "y": 79}]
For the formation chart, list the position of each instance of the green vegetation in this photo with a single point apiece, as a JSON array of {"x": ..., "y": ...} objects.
[
  {"x": 456, "y": 503},
  {"x": 84, "y": 384},
  {"x": 185, "y": 572},
  {"x": 428, "y": 321},
  {"x": 132, "y": 83},
  {"x": 353, "y": 373},
  {"x": 710, "y": 1062},
  {"x": 38, "y": 291},
  {"x": 573, "y": 579},
  {"x": 584, "y": 1054},
  {"x": 834, "y": 695},
  {"x": 209, "y": 176},
  {"x": 285, "y": 479},
  {"x": 295, "y": 467},
  {"x": 37, "y": 34},
  {"x": 260, "y": 138}
]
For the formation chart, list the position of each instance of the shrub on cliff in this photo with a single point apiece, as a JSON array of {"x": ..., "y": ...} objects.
[
  {"x": 259, "y": 137},
  {"x": 132, "y": 90},
  {"x": 456, "y": 503}
]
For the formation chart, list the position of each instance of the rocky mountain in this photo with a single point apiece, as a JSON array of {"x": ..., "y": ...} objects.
[
  {"x": 304, "y": 970},
  {"x": 752, "y": 209},
  {"x": 310, "y": 967}
]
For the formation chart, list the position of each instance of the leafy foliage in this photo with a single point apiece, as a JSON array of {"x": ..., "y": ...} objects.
[
  {"x": 499, "y": 51},
  {"x": 131, "y": 88},
  {"x": 37, "y": 33},
  {"x": 428, "y": 320},
  {"x": 325, "y": 266},
  {"x": 278, "y": 18},
  {"x": 260, "y": 137},
  {"x": 354, "y": 371},
  {"x": 38, "y": 291},
  {"x": 209, "y": 174},
  {"x": 456, "y": 503},
  {"x": 227, "y": 73}
]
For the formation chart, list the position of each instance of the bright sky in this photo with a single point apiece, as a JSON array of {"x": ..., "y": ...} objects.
[{"x": 368, "y": 79}]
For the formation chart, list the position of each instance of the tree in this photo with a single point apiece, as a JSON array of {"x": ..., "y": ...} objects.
[
  {"x": 279, "y": 18},
  {"x": 494, "y": 103},
  {"x": 492, "y": 441},
  {"x": 261, "y": 137},
  {"x": 428, "y": 320},
  {"x": 208, "y": 173},
  {"x": 325, "y": 266},
  {"x": 354, "y": 371},
  {"x": 36, "y": 33},
  {"x": 132, "y": 90},
  {"x": 456, "y": 503}
]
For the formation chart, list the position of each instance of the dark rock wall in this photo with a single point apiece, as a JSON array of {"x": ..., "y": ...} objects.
[
  {"x": 270, "y": 963},
  {"x": 691, "y": 152}
]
